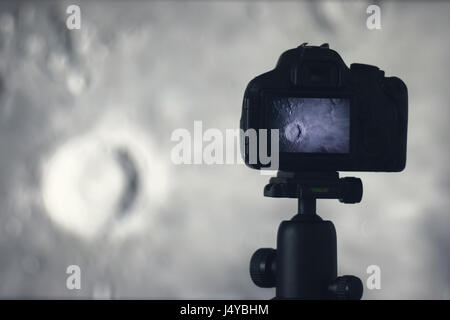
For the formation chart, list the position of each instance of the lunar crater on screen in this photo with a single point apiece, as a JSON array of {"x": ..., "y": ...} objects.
[{"x": 293, "y": 132}]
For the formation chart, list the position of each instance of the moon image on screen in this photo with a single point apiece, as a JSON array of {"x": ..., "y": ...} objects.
[{"x": 312, "y": 125}]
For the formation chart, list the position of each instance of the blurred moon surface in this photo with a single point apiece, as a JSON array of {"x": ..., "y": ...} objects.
[{"x": 97, "y": 178}]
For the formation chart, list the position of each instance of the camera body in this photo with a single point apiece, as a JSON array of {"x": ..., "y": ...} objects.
[{"x": 329, "y": 117}]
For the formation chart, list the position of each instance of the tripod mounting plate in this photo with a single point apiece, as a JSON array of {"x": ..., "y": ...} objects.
[{"x": 314, "y": 186}]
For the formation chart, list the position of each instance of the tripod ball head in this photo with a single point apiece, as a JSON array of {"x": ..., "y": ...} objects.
[{"x": 304, "y": 265}]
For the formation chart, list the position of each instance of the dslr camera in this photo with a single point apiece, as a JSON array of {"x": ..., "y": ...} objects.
[{"x": 328, "y": 117}]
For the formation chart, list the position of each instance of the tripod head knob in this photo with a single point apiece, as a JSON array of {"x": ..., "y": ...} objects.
[
  {"x": 351, "y": 190},
  {"x": 347, "y": 288},
  {"x": 262, "y": 267}
]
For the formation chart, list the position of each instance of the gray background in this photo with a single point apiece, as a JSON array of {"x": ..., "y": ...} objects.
[{"x": 69, "y": 100}]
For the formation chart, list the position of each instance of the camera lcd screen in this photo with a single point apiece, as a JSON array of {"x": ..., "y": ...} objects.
[{"x": 311, "y": 125}]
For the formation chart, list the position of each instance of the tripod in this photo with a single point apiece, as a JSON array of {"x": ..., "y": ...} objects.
[{"x": 304, "y": 266}]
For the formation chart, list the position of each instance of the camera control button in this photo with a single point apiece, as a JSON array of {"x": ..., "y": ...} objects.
[{"x": 363, "y": 67}]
